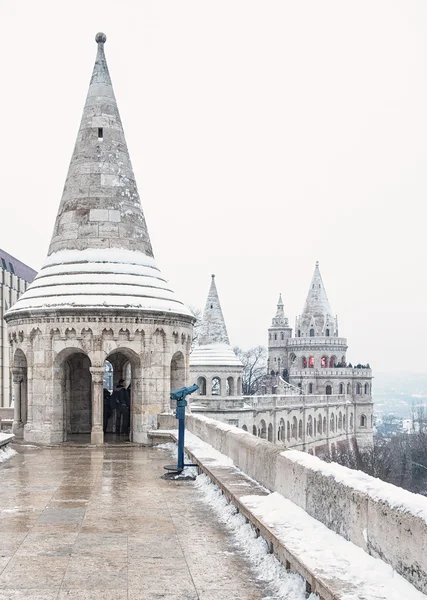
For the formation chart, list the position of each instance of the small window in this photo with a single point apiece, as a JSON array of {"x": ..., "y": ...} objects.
[
  {"x": 100, "y": 133},
  {"x": 211, "y": 305},
  {"x": 3, "y": 262},
  {"x": 11, "y": 268},
  {"x": 311, "y": 332},
  {"x": 283, "y": 336}
]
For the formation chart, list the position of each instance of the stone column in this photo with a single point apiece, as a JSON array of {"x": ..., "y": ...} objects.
[
  {"x": 97, "y": 434},
  {"x": 18, "y": 376}
]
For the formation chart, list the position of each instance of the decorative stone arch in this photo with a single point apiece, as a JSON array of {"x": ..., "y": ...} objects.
[
  {"x": 230, "y": 386},
  {"x": 244, "y": 428},
  {"x": 239, "y": 386},
  {"x": 363, "y": 421},
  {"x": 328, "y": 389},
  {"x": 366, "y": 389},
  {"x": 254, "y": 430},
  {"x": 20, "y": 392},
  {"x": 292, "y": 358},
  {"x": 341, "y": 388},
  {"x": 294, "y": 428},
  {"x": 216, "y": 386},
  {"x": 300, "y": 431},
  {"x": 311, "y": 332},
  {"x": 270, "y": 433},
  {"x": 263, "y": 429},
  {"x": 201, "y": 382},
  {"x": 177, "y": 371},
  {"x": 358, "y": 389}
]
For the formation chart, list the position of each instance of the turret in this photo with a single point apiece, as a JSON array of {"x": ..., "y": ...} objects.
[
  {"x": 278, "y": 335},
  {"x": 317, "y": 318}
]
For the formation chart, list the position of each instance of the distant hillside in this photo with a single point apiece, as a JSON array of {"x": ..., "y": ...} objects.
[{"x": 397, "y": 392}]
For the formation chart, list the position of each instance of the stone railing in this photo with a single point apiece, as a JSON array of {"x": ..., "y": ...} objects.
[
  {"x": 317, "y": 341},
  {"x": 343, "y": 372},
  {"x": 386, "y": 521},
  {"x": 272, "y": 402}
]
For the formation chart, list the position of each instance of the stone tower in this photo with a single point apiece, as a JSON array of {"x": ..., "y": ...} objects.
[
  {"x": 99, "y": 296},
  {"x": 213, "y": 363},
  {"x": 278, "y": 336}
]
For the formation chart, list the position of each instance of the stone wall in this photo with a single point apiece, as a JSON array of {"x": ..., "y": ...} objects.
[{"x": 386, "y": 525}]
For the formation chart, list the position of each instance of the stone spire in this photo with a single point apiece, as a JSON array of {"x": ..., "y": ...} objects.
[
  {"x": 317, "y": 313},
  {"x": 213, "y": 329},
  {"x": 280, "y": 320},
  {"x": 100, "y": 256},
  {"x": 100, "y": 206}
]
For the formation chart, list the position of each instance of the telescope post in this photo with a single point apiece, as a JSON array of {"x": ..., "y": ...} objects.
[{"x": 181, "y": 403}]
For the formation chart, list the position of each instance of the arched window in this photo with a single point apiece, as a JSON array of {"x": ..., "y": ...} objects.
[
  {"x": 288, "y": 431},
  {"x": 275, "y": 336},
  {"x": 270, "y": 433},
  {"x": 341, "y": 388},
  {"x": 310, "y": 388},
  {"x": 216, "y": 386},
  {"x": 366, "y": 388},
  {"x": 263, "y": 430},
  {"x": 328, "y": 390},
  {"x": 311, "y": 362},
  {"x": 363, "y": 421},
  {"x": 340, "y": 420},
  {"x": 201, "y": 382},
  {"x": 310, "y": 426},
  {"x": 282, "y": 336},
  {"x": 332, "y": 362},
  {"x": 324, "y": 362},
  {"x": 332, "y": 423},
  {"x": 327, "y": 333},
  {"x": 324, "y": 425},
  {"x": 282, "y": 430},
  {"x": 299, "y": 332},
  {"x": 300, "y": 429},
  {"x": 312, "y": 332},
  {"x": 348, "y": 389},
  {"x": 351, "y": 420},
  {"x": 244, "y": 428},
  {"x": 344, "y": 422},
  {"x": 230, "y": 386},
  {"x": 304, "y": 362},
  {"x": 343, "y": 361},
  {"x": 254, "y": 430},
  {"x": 315, "y": 426},
  {"x": 319, "y": 424},
  {"x": 358, "y": 389},
  {"x": 294, "y": 428}
]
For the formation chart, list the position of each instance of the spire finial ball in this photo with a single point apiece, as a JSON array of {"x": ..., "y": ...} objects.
[
  {"x": 100, "y": 38},
  {"x": 317, "y": 263},
  {"x": 213, "y": 276}
]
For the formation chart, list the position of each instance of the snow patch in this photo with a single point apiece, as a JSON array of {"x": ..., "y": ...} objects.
[{"x": 6, "y": 452}]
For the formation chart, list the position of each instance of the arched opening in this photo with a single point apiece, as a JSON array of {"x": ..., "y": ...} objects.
[
  {"x": 300, "y": 429},
  {"x": 358, "y": 389},
  {"x": 177, "y": 373},
  {"x": 216, "y": 386},
  {"x": 310, "y": 388},
  {"x": 366, "y": 388},
  {"x": 327, "y": 333},
  {"x": 288, "y": 431},
  {"x": 282, "y": 433},
  {"x": 363, "y": 421},
  {"x": 270, "y": 433},
  {"x": 332, "y": 423},
  {"x": 312, "y": 332},
  {"x": 311, "y": 362},
  {"x": 304, "y": 362},
  {"x": 244, "y": 428},
  {"x": 20, "y": 393},
  {"x": 294, "y": 428},
  {"x": 351, "y": 421},
  {"x": 324, "y": 425},
  {"x": 328, "y": 390},
  {"x": 239, "y": 386},
  {"x": 324, "y": 362},
  {"x": 344, "y": 423},
  {"x": 310, "y": 426},
  {"x": 340, "y": 420},
  {"x": 263, "y": 430},
  {"x": 201, "y": 382},
  {"x": 254, "y": 430},
  {"x": 332, "y": 362},
  {"x": 319, "y": 424},
  {"x": 126, "y": 400},
  {"x": 230, "y": 386},
  {"x": 74, "y": 385},
  {"x": 348, "y": 389},
  {"x": 341, "y": 388}
]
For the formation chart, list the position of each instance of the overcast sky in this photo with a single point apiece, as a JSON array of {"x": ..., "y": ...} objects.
[{"x": 264, "y": 136}]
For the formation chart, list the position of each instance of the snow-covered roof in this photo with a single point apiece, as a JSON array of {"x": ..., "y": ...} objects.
[
  {"x": 105, "y": 278},
  {"x": 317, "y": 302},
  {"x": 214, "y": 355}
]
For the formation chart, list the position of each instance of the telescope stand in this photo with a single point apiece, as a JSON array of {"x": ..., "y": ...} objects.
[{"x": 180, "y": 415}]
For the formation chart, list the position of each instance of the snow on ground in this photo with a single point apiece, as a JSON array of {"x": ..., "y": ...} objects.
[
  {"x": 6, "y": 452},
  {"x": 284, "y": 585},
  {"x": 379, "y": 490}
]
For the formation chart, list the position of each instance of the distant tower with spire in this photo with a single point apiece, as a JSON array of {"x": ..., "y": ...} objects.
[
  {"x": 278, "y": 336},
  {"x": 99, "y": 296},
  {"x": 213, "y": 364}
]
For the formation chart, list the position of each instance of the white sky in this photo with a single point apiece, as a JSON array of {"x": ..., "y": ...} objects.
[{"x": 264, "y": 136}]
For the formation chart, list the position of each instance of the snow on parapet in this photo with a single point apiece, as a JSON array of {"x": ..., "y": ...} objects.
[
  {"x": 100, "y": 278},
  {"x": 381, "y": 491}
]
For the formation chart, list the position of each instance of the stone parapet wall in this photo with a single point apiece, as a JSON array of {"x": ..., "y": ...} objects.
[{"x": 384, "y": 520}]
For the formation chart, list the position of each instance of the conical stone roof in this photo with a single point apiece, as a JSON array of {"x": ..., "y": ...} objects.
[
  {"x": 213, "y": 344},
  {"x": 100, "y": 255}
]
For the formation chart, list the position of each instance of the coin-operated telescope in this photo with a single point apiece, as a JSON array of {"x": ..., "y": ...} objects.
[{"x": 181, "y": 402}]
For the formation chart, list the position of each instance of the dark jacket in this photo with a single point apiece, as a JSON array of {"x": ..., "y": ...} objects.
[{"x": 120, "y": 397}]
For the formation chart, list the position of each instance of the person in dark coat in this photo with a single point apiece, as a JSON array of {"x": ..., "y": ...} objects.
[
  {"x": 121, "y": 402},
  {"x": 108, "y": 409}
]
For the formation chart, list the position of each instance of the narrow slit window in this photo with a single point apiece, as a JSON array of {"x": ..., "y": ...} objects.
[{"x": 100, "y": 133}]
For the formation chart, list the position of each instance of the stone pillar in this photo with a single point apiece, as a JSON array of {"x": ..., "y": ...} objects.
[
  {"x": 17, "y": 427},
  {"x": 97, "y": 433}
]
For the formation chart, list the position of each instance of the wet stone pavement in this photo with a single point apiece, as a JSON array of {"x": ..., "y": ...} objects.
[{"x": 83, "y": 523}]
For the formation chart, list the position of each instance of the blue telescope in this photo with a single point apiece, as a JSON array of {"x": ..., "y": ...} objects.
[
  {"x": 183, "y": 392},
  {"x": 181, "y": 402}
]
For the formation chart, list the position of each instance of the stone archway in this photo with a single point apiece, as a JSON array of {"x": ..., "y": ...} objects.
[
  {"x": 20, "y": 393},
  {"x": 127, "y": 366}
]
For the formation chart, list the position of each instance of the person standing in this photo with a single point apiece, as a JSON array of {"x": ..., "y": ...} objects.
[
  {"x": 108, "y": 409},
  {"x": 121, "y": 401}
]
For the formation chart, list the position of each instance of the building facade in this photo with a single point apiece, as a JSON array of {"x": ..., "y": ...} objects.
[
  {"x": 99, "y": 297},
  {"x": 15, "y": 277}
]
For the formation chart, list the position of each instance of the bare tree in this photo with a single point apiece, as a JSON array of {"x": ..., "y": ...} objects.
[
  {"x": 197, "y": 313},
  {"x": 254, "y": 368}
]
